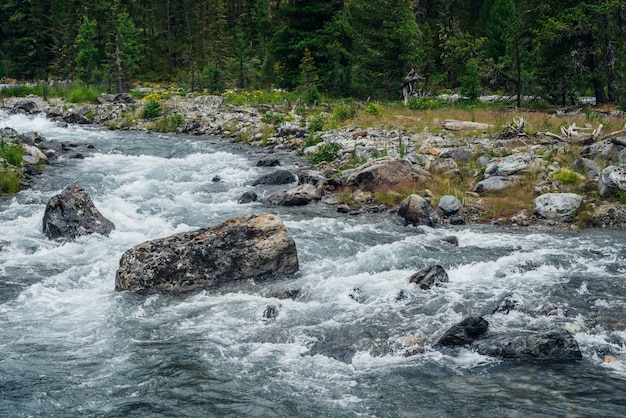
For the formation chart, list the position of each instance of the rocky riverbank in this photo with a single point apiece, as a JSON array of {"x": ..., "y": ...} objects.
[{"x": 510, "y": 177}]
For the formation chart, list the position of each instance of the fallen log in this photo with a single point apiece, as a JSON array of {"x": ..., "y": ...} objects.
[{"x": 460, "y": 125}]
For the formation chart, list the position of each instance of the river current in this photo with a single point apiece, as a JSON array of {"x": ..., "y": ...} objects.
[{"x": 72, "y": 346}]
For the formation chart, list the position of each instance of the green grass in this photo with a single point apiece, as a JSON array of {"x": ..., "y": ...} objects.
[{"x": 11, "y": 153}]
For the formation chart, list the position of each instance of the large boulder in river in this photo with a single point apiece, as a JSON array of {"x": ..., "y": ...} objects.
[
  {"x": 383, "y": 172},
  {"x": 560, "y": 207},
  {"x": 275, "y": 178},
  {"x": 298, "y": 196},
  {"x": 247, "y": 247},
  {"x": 551, "y": 346},
  {"x": 417, "y": 211},
  {"x": 72, "y": 213},
  {"x": 465, "y": 332}
]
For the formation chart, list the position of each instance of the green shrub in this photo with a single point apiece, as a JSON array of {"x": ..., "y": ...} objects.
[
  {"x": 567, "y": 177},
  {"x": 176, "y": 121},
  {"x": 316, "y": 124},
  {"x": 10, "y": 180},
  {"x": 273, "y": 118},
  {"x": 81, "y": 93},
  {"x": 11, "y": 153},
  {"x": 325, "y": 152},
  {"x": 343, "y": 112},
  {"x": 374, "y": 109},
  {"x": 152, "y": 109},
  {"x": 311, "y": 140}
]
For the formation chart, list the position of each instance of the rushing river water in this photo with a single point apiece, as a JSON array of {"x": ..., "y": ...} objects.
[{"x": 72, "y": 346}]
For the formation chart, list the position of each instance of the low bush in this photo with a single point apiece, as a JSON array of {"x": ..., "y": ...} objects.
[
  {"x": 325, "y": 152},
  {"x": 152, "y": 109},
  {"x": 10, "y": 180}
]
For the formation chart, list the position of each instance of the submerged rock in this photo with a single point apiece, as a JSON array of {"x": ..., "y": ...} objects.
[
  {"x": 72, "y": 213},
  {"x": 465, "y": 332},
  {"x": 242, "y": 248},
  {"x": 268, "y": 161},
  {"x": 429, "y": 277},
  {"x": 247, "y": 197},
  {"x": 553, "y": 346}
]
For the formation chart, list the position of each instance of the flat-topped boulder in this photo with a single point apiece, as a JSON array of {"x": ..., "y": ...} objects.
[
  {"x": 560, "y": 207},
  {"x": 71, "y": 213},
  {"x": 384, "y": 171},
  {"x": 246, "y": 247}
]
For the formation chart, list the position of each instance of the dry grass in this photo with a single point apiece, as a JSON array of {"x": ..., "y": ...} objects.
[{"x": 395, "y": 117}]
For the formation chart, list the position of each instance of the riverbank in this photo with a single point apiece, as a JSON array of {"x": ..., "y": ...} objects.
[{"x": 485, "y": 172}]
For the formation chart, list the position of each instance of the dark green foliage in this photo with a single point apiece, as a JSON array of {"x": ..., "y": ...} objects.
[
  {"x": 11, "y": 153},
  {"x": 325, "y": 152},
  {"x": 273, "y": 118},
  {"x": 426, "y": 103},
  {"x": 554, "y": 49},
  {"x": 152, "y": 109},
  {"x": 316, "y": 123}
]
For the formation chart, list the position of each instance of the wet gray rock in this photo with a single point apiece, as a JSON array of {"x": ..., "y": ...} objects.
[
  {"x": 276, "y": 178},
  {"x": 314, "y": 177},
  {"x": 450, "y": 239},
  {"x": 26, "y": 106},
  {"x": 612, "y": 181},
  {"x": 270, "y": 312},
  {"x": 417, "y": 211},
  {"x": 465, "y": 332},
  {"x": 72, "y": 213},
  {"x": 549, "y": 346},
  {"x": 343, "y": 352},
  {"x": 561, "y": 207},
  {"x": 297, "y": 196},
  {"x": 247, "y": 247},
  {"x": 429, "y": 277},
  {"x": 511, "y": 164},
  {"x": 384, "y": 171},
  {"x": 268, "y": 161},
  {"x": 247, "y": 197},
  {"x": 449, "y": 205}
]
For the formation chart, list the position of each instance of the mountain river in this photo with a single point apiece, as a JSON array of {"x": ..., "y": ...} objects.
[{"x": 70, "y": 345}]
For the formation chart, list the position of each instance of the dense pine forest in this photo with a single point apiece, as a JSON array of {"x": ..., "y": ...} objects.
[{"x": 553, "y": 49}]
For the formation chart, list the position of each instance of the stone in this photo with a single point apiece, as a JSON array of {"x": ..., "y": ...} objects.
[
  {"x": 247, "y": 197},
  {"x": 275, "y": 178},
  {"x": 586, "y": 166},
  {"x": 561, "y": 207},
  {"x": 268, "y": 161},
  {"x": 343, "y": 352},
  {"x": 243, "y": 248},
  {"x": 612, "y": 181},
  {"x": 548, "y": 346},
  {"x": 72, "y": 213},
  {"x": 314, "y": 177},
  {"x": 609, "y": 215},
  {"x": 291, "y": 129},
  {"x": 429, "y": 277},
  {"x": 612, "y": 150},
  {"x": 493, "y": 183},
  {"x": 506, "y": 166},
  {"x": 449, "y": 205},
  {"x": 465, "y": 332},
  {"x": 417, "y": 211},
  {"x": 270, "y": 312},
  {"x": 384, "y": 171},
  {"x": 297, "y": 196},
  {"x": 450, "y": 239}
]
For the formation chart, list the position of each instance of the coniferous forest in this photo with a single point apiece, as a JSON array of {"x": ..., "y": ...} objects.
[{"x": 553, "y": 49}]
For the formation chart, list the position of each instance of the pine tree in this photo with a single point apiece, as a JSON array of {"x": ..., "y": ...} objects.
[{"x": 88, "y": 54}]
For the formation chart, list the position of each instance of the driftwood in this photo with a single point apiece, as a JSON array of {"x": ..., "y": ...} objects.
[
  {"x": 586, "y": 136},
  {"x": 459, "y": 125},
  {"x": 408, "y": 85},
  {"x": 514, "y": 129}
]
